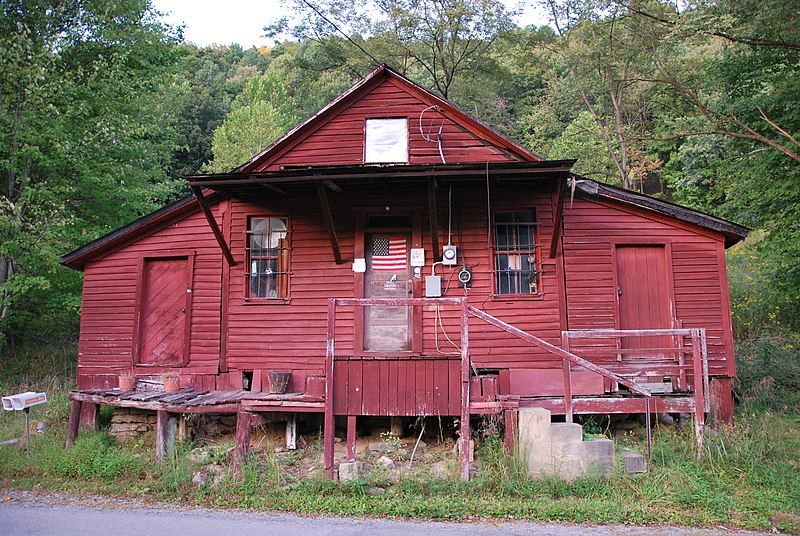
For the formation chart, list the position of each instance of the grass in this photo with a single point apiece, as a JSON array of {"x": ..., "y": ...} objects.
[{"x": 748, "y": 476}]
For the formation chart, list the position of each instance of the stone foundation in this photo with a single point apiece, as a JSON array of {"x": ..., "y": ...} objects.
[{"x": 130, "y": 423}]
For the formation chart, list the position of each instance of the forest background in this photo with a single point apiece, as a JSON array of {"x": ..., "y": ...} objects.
[{"x": 104, "y": 107}]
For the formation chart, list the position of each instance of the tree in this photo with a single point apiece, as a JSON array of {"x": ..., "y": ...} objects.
[
  {"x": 437, "y": 41},
  {"x": 260, "y": 114},
  {"x": 85, "y": 132},
  {"x": 608, "y": 55}
]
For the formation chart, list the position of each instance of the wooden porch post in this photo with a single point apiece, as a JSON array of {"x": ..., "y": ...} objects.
[
  {"x": 465, "y": 462},
  {"x": 699, "y": 395},
  {"x": 244, "y": 425},
  {"x": 74, "y": 422},
  {"x": 328, "y": 427},
  {"x": 511, "y": 417},
  {"x": 351, "y": 438},
  {"x": 90, "y": 415}
]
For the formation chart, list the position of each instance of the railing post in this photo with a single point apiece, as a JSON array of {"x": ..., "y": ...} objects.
[
  {"x": 699, "y": 396},
  {"x": 328, "y": 427},
  {"x": 465, "y": 464},
  {"x": 567, "y": 379}
]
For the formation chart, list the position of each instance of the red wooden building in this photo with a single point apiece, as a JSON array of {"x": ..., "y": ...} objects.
[{"x": 316, "y": 257}]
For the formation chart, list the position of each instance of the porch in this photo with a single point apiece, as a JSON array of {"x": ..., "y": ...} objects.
[{"x": 618, "y": 379}]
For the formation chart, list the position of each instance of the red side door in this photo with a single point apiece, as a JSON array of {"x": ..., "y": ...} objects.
[
  {"x": 643, "y": 293},
  {"x": 163, "y": 315}
]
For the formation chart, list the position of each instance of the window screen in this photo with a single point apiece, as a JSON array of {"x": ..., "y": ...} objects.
[{"x": 386, "y": 141}]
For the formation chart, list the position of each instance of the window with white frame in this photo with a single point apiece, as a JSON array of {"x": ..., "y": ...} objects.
[
  {"x": 267, "y": 258},
  {"x": 386, "y": 141}
]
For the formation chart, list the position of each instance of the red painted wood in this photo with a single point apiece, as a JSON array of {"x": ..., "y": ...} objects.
[
  {"x": 163, "y": 311},
  {"x": 550, "y": 382},
  {"x": 643, "y": 294},
  {"x": 336, "y": 137}
]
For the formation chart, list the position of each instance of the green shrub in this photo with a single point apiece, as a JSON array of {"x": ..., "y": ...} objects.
[{"x": 769, "y": 373}]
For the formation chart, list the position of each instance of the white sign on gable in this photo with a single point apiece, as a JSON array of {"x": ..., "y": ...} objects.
[{"x": 386, "y": 140}]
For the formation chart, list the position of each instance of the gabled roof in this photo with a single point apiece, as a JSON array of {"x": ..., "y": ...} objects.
[
  {"x": 592, "y": 190},
  {"x": 363, "y": 86}
]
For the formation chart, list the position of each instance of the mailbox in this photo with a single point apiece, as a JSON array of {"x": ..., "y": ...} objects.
[{"x": 23, "y": 401}]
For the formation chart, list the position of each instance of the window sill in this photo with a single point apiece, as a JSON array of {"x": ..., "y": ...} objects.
[{"x": 266, "y": 301}]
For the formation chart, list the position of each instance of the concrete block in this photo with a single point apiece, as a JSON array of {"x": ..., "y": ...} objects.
[
  {"x": 598, "y": 457},
  {"x": 568, "y": 468},
  {"x": 539, "y": 458},
  {"x": 634, "y": 462},
  {"x": 564, "y": 432},
  {"x": 534, "y": 425},
  {"x": 350, "y": 471}
]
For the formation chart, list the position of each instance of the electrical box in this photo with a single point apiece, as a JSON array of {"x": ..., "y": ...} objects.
[
  {"x": 449, "y": 255},
  {"x": 433, "y": 286}
]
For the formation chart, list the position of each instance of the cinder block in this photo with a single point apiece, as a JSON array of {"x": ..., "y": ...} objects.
[
  {"x": 564, "y": 432},
  {"x": 350, "y": 471},
  {"x": 598, "y": 457},
  {"x": 634, "y": 462}
]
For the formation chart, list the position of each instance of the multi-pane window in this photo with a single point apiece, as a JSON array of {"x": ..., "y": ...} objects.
[
  {"x": 267, "y": 258},
  {"x": 514, "y": 252}
]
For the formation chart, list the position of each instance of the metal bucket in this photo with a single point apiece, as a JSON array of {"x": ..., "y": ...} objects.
[{"x": 278, "y": 381}]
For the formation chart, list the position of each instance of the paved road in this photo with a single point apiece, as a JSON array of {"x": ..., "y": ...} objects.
[{"x": 27, "y": 518}]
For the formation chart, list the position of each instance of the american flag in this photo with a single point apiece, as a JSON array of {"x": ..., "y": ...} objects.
[{"x": 389, "y": 253}]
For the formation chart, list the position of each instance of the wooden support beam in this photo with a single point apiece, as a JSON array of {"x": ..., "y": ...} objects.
[
  {"x": 332, "y": 185},
  {"x": 90, "y": 416},
  {"x": 244, "y": 427},
  {"x": 434, "y": 220},
  {"x": 558, "y": 217},
  {"x": 328, "y": 216},
  {"x": 212, "y": 222},
  {"x": 74, "y": 422},
  {"x": 328, "y": 428},
  {"x": 351, "y": 438},
  {"x": 466, "y": 461},
  {"x": 511, "y": 417},
  {"x": 291, "y": 432},
  {"x": 161, "y": 435},
  {"x": 270, "y": 187}
]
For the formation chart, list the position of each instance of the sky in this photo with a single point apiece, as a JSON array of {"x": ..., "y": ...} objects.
[{"x": 242, "y": 21}]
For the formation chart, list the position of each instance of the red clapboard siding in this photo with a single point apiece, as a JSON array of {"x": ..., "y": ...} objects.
[
  {"x": 291, "y": 335},
  {"x": 340, "y": 140},
  {"x": 591, "y": 232},
  {"x": 110, "y": 286}
]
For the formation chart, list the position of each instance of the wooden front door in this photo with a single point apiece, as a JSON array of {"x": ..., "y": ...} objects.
[
  {"x": 165, "y": 298},
  {"x": 643, "y": 293},
  {"x": 388, "y": 275}
]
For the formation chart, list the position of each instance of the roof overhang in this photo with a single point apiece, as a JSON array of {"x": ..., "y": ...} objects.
[{"x": 243, "y": 184}]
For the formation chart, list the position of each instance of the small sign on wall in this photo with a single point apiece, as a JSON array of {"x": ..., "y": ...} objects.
[
  {"x": 360, "y": 266},
  {"x": 417, "y": 257}
]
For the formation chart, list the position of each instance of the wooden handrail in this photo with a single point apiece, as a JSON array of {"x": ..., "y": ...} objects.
[{"x": 560, "y": 352}]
